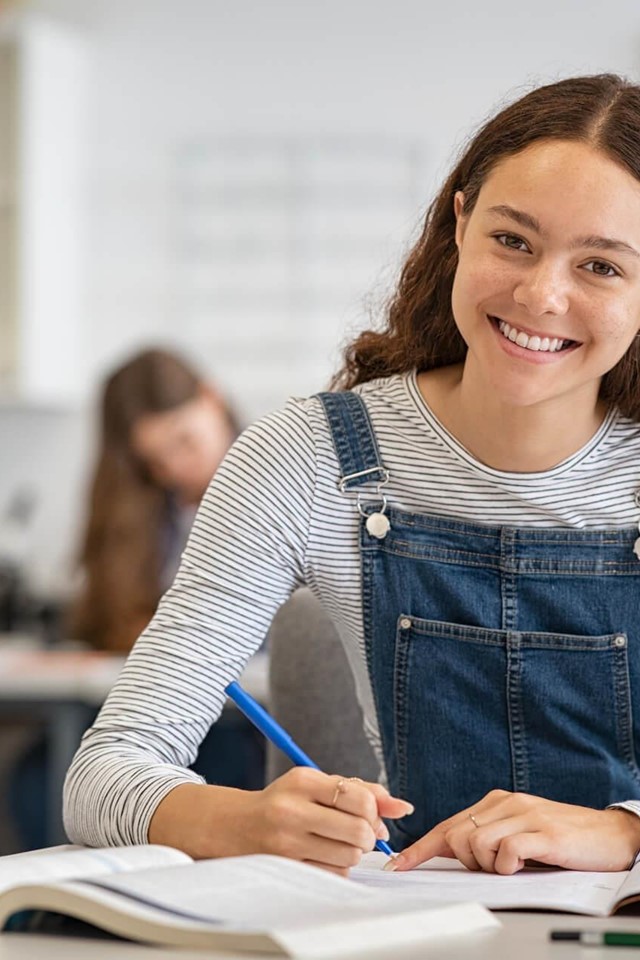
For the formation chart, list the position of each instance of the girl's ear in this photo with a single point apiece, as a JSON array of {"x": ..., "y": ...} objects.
[{"x": 461, "y": 220}]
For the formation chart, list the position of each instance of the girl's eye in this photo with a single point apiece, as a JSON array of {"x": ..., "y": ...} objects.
[
  {"x": 511, "y": 241},
  {"x": 601, "y": 269}
]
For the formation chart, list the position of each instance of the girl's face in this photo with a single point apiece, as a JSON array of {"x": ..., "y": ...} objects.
[
  {"x": 182, "y": 448},
  {"x": 547, "y": 290}
]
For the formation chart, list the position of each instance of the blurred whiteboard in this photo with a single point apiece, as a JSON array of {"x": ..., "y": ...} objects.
[{"x": 281, "y": 247}]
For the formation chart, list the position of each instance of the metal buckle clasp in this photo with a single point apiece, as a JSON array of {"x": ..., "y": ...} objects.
[{"x": 342, "y": 483}]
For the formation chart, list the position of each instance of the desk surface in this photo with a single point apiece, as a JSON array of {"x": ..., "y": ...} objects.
[
  {"x": 523, "y": 936},
  {"x": 85, "y": 676}
]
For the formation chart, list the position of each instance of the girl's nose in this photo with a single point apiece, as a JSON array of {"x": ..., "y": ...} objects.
[{"x": 543, "y": 290}]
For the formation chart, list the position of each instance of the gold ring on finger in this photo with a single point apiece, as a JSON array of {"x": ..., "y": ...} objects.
[
  {"x": 473, "y": 820},
  {"x": 340, "y": 788}
]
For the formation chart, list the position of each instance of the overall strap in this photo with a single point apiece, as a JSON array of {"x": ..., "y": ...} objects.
[{"x": 354, "y": 440}]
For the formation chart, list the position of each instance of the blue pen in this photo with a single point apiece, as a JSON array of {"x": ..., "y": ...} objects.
[{"x": 272, "y": 730}]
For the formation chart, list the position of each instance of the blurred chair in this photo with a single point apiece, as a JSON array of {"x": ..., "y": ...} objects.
[{"x": 312, "y": 693}]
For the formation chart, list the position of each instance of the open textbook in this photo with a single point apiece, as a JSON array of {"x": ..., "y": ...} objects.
[
  {"x": 159, "y": 895},
  {"x": 535, "y": 888}
]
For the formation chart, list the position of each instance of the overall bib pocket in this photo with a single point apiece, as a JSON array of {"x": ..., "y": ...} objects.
[{"x": 478, "y": 709}]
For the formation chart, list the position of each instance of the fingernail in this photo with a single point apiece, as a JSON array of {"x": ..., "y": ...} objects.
[
  {"x": 382, "y": 832},
  {"x": 410, "y": 807},
  {"x": 392, "y": 864}
]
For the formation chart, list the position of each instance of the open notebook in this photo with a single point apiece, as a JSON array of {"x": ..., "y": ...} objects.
[
  {"x": 159, "y": 895},
  {"x": 535, "y": 888}
]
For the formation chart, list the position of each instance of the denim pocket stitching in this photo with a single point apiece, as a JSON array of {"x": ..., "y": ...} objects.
[
  {"x": 400, "y": 673},
  {"x": 471, "y": 633},
  {"x": 624, "y": 709}
]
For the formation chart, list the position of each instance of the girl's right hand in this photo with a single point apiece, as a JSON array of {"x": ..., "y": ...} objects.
[{"x": 329, "y": 821}]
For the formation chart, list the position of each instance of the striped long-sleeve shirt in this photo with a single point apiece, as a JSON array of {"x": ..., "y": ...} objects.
[{"x": 273, "y": 519}]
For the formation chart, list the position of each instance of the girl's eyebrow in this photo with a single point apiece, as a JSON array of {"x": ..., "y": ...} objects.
[
  {"x": 606, "y": 243},
  {"x": 519, "y": 216},
  {"x": 531, "y": 223}
]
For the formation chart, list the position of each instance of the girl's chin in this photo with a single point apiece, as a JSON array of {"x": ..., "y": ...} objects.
[{"x": 516, "y": 388}]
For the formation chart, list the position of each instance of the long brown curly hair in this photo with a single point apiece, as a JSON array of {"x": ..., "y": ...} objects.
[
  {"x": 420, "y": 332},
  {"x": 125, "y": 539}
]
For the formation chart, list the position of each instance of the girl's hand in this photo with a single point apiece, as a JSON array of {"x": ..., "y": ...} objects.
[
  {"x": 515, "y": 827},
  {"x": 329, "y": 821}
]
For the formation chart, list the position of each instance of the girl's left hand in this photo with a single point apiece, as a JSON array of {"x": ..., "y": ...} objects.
[{"x": 515, "y": 827}]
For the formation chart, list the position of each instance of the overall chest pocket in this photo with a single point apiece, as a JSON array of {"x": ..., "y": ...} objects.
[{"x": 478, "y": 709}]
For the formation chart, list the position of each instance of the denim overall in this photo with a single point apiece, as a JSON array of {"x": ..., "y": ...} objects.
[{"x": 498, "y": 656}]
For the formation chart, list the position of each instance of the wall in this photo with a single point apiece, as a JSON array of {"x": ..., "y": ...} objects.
[{"x": 167, "y": 73}]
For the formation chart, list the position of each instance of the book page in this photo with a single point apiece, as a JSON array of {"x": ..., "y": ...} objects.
[
  {"x": 260, "y": 892},
  {"x": 441, "y": 880},
  {"x": 630, "y": 889},
  {"x": 371, "y": 935},
  {"x": 331, "y": 937},
  {"x": 65, "y": 863},
  {"x": 308, "y": 911}
]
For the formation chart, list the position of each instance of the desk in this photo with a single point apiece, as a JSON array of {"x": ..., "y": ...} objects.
[
  {"x": 524, "y": 936},
  {"x": 63, "y": 688}
]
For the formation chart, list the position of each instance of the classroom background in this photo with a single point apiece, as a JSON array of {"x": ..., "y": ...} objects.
[{"x": 236, "y": 181}]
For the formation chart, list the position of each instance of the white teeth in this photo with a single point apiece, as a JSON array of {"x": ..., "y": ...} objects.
[{"x": 535, "y": 343}]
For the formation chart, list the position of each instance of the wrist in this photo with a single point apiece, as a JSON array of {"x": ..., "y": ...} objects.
[{"x": 630, "y": 822}]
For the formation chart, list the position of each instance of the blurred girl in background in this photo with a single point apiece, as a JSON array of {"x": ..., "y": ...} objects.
[{"x": 164, "y": 430}]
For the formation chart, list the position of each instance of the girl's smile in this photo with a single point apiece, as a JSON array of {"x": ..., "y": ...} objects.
[{"x": 529, "y": 345}]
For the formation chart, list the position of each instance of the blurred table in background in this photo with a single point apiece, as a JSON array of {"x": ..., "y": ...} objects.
[{"x": 62, "y": 689}]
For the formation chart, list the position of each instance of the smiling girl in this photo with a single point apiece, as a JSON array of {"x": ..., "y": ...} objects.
[{"x": 465, "y": 506}]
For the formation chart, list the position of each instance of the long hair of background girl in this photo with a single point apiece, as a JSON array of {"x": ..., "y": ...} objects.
[{"x": 128, "y": 515}]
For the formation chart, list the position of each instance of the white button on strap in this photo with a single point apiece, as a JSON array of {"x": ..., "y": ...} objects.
[
  {"x": 620, "y": 641},
  {"x": 405, "y": 623},
  {"x": 378, "y": 525}
]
